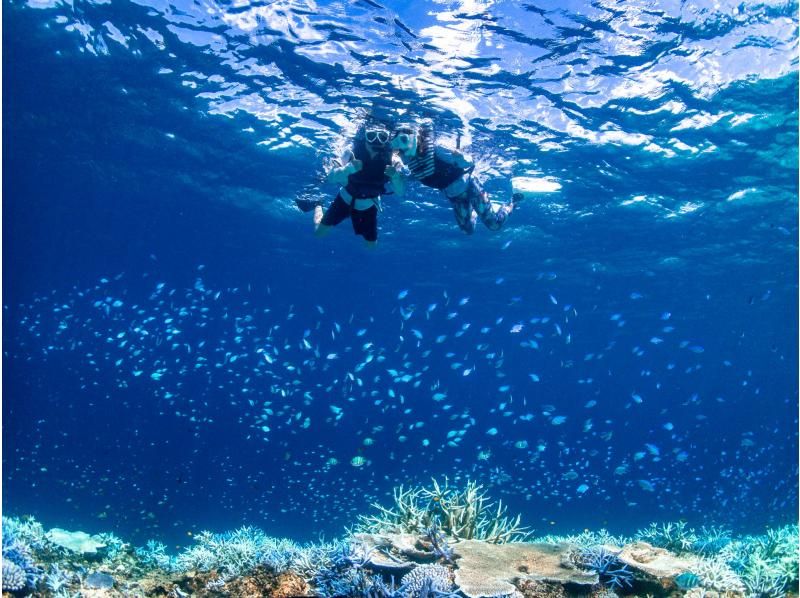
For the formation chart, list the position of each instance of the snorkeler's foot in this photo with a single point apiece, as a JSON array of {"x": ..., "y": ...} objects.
[
  {"x": 307, "y": 205},
  {"x": 318, "y": 216}
]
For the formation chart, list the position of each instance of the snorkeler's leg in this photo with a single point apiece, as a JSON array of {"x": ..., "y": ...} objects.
[
  {"x": 465, "y": 215},
  {"x": 320, "y": 230},
  {"x": 365, "y": 223},
  {"x": 307, "y": 205},
  {"x": 336, "y": 212},
  {"x": 492, "y": 214}
]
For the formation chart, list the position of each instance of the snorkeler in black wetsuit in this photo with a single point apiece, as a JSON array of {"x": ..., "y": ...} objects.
[
  {"x": 451, "y": 172},
  {"x": 366, "y": 172}
]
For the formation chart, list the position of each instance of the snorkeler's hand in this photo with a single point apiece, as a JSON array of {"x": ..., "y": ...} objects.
[
  {"x": 340, "y": 175},
  {"x": 396, "y": 183},
  {"x": 462, "y": 161}
]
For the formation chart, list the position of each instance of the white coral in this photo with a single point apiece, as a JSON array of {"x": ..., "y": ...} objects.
[
  {"x": 427, "y": 577},
  {"x": 715, "y": 574}
]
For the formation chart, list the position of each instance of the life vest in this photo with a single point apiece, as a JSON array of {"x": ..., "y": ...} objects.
[
  {"x": 370, "y": 181},
  {"x": 429, "y": 168}
]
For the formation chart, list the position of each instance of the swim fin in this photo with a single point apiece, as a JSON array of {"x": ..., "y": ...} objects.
[{"x": 307, "y": 205}]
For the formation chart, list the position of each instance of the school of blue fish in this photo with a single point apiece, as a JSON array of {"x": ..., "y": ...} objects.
[{"x": 429, "y": 384}]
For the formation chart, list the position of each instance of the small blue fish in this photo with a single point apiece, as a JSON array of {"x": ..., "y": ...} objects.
[
  {"x": 402, "y": 294},
  {"x": 687, "y": 580}
]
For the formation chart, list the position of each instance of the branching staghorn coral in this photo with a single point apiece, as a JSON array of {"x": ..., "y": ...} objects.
[
  {"x": 779, "y": 549},
  {"x": 26, "y": 530},
  {"x": 461, "y": 515},
  {"x": 674, "y": 536},
  {"x": 589, "y": 538},
  {"x": 343, "y": 572},
  {"x": 711, "y": 540},
  {"x": 715, "y": 574},
  {"x": 309, "y": 560},
  {"x": 232, "y": 553},
  {"x": 612, "y": 572},
  {"x": 438, "y": 541},
  {"x": 19, "y": 568},
  {"x": 154, "y": 556},
  {"x": 761, "y": 578},
  {"x": 58, "y": 579}
]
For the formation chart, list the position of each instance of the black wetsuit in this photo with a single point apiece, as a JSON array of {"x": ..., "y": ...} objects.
[{"x": 368, "y": 183}]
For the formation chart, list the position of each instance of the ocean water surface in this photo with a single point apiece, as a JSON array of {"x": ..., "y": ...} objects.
[{"x": 181, "y": 354}]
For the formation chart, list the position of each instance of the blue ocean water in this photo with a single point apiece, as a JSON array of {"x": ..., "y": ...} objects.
[{"x": 180, "y": 353}]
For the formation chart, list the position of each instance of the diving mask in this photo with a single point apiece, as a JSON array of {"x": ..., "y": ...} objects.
[
  {"x": 405, "y": 141},
  {"x": 376, "y": 136}
]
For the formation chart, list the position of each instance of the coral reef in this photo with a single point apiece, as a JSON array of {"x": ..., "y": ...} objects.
[
  {"x": 674, "y": 536},
  {"x": 154, "y": 556},
  {"x": 487, "y": 569},
  {"x": 530, "y": 588},
  {"x": 14, "y": 577},
  {"x": 612, "y": 572},
  {"x": 426, "y": 579},
  {"x": 459, "y": 514},
  {"x": 236, "y": 552},
  {"x": 436, "y": 560},
  {"x": 656, "y": 563},
  {"x": 589, "y": 538},
  {"x": 19, "y": 540},
  {"x": 715, "y": 574},
  {"x": 79, "y": 542}
]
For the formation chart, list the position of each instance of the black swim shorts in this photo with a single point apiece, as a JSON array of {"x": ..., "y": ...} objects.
[{"x": 365, "y": 222}]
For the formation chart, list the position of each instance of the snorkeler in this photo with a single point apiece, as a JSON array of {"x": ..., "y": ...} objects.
[
  {"x": 365, "y": 171},
  {"x": 451, "y": 172}
]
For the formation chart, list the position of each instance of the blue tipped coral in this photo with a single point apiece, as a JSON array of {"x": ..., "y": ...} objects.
[
  {"x": 154, "y": 556},
  {"x": 767, "y": 564},
  {"x": 459, "y": 514},
  {"x": 14, "y": 577},
  {"x": 57, "y": 579},
  {"x": 234, "y": 553},
  {"x": 754, "y": 566},
  {"x": 612, "y": 572},
  {"x": 19, "y": 569},
  {"x": 676, "y": 537}
]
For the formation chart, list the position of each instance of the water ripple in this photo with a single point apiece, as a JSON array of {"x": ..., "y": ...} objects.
[{"x": 597, "y": 95}]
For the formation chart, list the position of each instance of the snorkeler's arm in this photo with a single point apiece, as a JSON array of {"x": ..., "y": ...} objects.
[
  {"x": 343, "y": 168},
  {"x": 396, "y": 172},
  {"x": 455, "y": 157}
]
